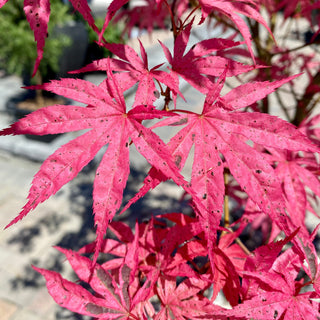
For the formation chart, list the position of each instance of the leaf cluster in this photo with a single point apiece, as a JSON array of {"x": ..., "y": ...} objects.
[{"x": 244, "y": 159}]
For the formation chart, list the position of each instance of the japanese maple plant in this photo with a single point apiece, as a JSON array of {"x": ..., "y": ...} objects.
[{"x": 251, "y": 170}]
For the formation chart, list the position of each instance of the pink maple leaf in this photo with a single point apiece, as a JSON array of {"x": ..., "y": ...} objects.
[
  {"x": 272, "y": 289},
  {"x": 277, "y": 305},
  {"x": 310, "y": 128},
  {"x": 115, "y": 297},
  {"x": 307, "y": 253},
  {"x": 296, "y": 174},
  {"x": 180, "y": 302},
  {"x": 218, "y": 131},
  {"x": 113, "y": 7},
  {"x": 83, "y": 8},
  {"x": 110, "y": 124},
  {"x": 152, "y": 13},
  {"x": 38, "y": 13},
  {"x": 133, "y": 69},
  {"x": 77, "y": 299},
  {"x": 276, "y": 294},
  {"x": 262, "y": 260},
  {"x": 233, "y": 10},
  {"x": 3, "y": 2},
  {"x": 204, "y": 64}
]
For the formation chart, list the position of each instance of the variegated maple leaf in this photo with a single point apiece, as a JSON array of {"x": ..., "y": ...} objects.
[
  {"x": 204, "y": 64},
  {"x": 111, "y": 125},
  {"x": 132, "y": 69},
  {"x": 298, "y": 176},
  {"x": 220, "y": 135},
  {"x": 180, "y": 301},
  {"x": 38, "y": 14},
  {"x": 162, "y": 249},
  {"x": 281, "y": 303},
  {"x": 272, "y": 289},
  {"x": 309, "y": 258},
  {"x": 123, "y": 286},
  {"x": 153, "y": 16},
  {"x": 115, "y": 297},
  {"x": 234, "y": 10}
]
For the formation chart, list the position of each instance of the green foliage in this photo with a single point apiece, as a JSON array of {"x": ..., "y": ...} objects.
[{"x": 17, "y": 46}]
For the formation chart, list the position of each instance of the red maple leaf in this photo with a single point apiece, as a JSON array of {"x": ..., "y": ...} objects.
[
  {"x": 113, "y": 7},
  {"x": 229, "y": 260},
  {"x": 161, "y": 255},
  {"x": 262, "y": 260},
  {"x": 161, "y": 249}
]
